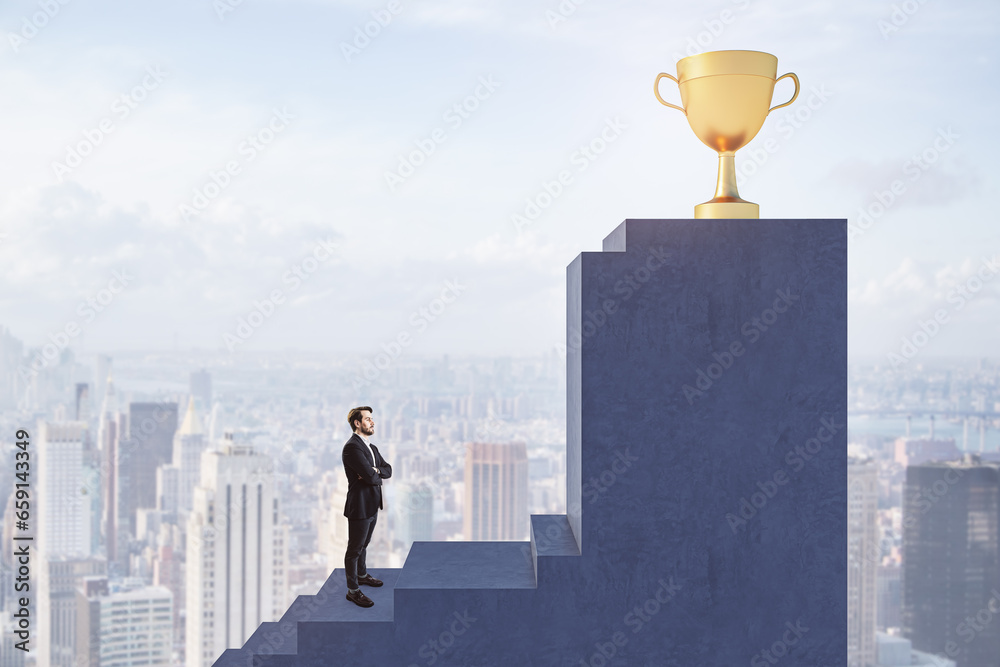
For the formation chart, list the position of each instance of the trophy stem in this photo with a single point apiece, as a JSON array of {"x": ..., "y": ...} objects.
[
  {"x": 725, "y": 187},
  {"x": 727, "y": 202}
]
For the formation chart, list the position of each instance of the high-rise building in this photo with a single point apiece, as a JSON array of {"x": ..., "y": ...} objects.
[
  {"x": 420, "y": 465},
  {"x": 111, "y": 427},
  {"x": 235, "y": 573},
  {"x": 414, "y": 512},
  {"x": 915, "y": 451},
  {"x": 168, "y": 482},
  {"x": 175, "y": 481},
  {"x": 10, "y": 654},
  {"x": 57, "y": 583},
  {"x": 333, "y": 526},
  {"x": 862, "y": 560},
  {"x": 951, "y": 560},
  {"x": 82, "y": 407},
  {"x": 887, "y": 596},
  {"x": 62, "y": 530},
  {"x": 63, "y": 522},
  {"x": 168, "y": 571},
  {"x": 147, "y": 445},
  {"x": 896, "y": 651},
  {"x": 496, "y": 491},
  {"x": 128, "y": 627},
  {"x": 189, "y": 443}
]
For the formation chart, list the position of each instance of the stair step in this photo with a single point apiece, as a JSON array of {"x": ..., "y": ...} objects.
[
  {"x": 552, "y": 535},
  {"x": 330, "y": 602},
  {"x": 276, "y": 637},
  {"x": 467, "y": 565}
]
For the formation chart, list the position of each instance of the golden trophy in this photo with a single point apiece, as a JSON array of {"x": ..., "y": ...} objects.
[{"x": 726, "y": 95}]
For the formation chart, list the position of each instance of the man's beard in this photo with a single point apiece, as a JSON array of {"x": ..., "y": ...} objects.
[{"x": 368, "y": 430}]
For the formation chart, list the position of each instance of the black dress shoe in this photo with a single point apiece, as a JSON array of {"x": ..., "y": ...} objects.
[
  {"x": 369, "y": 580},
  {"x": 359, "y": 599}
]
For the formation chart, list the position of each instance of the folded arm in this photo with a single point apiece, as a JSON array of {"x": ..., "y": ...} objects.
[
  {"x": 384, "y": 469},
  {"x": 356, "y": 464}
]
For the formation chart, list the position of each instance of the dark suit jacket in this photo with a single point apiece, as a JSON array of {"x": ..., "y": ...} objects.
[{"x": 364, "y": 485}]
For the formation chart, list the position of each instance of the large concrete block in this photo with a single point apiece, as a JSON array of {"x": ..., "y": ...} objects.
[{"x": 706, "y": 476}]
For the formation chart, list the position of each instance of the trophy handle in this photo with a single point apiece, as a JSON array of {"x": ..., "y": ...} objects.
[
  {"x": 796, "y": 80},
  {"x": 656, "y": 91}
]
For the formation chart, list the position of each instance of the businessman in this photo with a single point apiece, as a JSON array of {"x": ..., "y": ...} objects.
[{"x": 365, "y": 469}]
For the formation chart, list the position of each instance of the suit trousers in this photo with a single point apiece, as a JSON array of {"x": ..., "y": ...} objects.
[{"x": 359, "y": 534}]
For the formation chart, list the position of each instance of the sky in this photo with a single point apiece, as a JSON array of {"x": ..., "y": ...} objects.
[{"x": 359, "y": 176}]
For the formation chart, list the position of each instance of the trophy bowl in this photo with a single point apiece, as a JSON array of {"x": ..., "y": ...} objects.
[{"x": 726, "y": 95}]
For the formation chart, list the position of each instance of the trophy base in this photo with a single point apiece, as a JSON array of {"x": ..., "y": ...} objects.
[{"x": 727, "y": 209}]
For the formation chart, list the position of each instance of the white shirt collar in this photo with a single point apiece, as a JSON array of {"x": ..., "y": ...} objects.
[{"x": 363, "y": 438}]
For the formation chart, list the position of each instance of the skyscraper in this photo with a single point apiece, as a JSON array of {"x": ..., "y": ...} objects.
[
  {"x": 82, "y": 406},
  {"x": 59, "y": 578},
  {"x": 128, "y": 627},
  {"x": 414, "y": 512},
  {"x": 189, "y": 443},
  {"x": 496, "y": 491},
  {"x": 951, "y": 560},
  {"x": 333, "y": 526},
  {"x": 236, "y": 553},
  {"x": 148, "y": 444},
  {"x": 887, "y": 596},
  {"x": 63, "y": 533},
  {"x": 175, "y": 481},
  {"x": 63, "y": 500},
  {"x": 862, "y": 560}
]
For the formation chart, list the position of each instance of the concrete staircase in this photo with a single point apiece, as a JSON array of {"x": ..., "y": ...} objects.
[{"x": 706, "y": 479}]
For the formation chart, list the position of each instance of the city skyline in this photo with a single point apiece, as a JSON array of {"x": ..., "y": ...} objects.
[{"x": 426, "y": 408}]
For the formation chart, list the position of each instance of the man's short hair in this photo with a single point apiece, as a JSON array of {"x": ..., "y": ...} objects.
[{"x": 355, "y": 414}]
